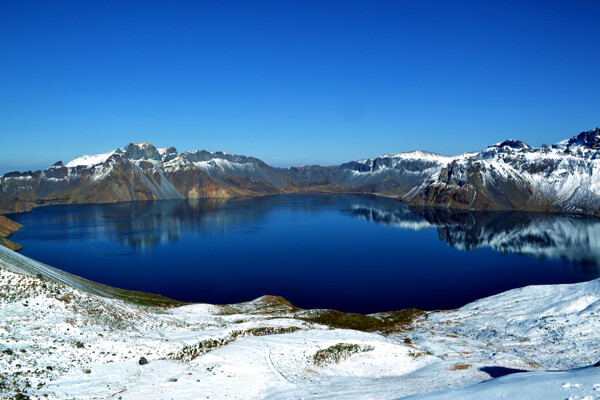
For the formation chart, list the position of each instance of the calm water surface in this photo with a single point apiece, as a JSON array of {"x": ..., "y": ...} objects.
[{"x": 346, "y": 252}]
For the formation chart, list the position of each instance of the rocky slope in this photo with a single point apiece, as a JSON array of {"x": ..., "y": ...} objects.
[
  {"x": 507, "y": 176},
  {"x": 63, "y": 337},
  {"x": 135, "y": 172}
]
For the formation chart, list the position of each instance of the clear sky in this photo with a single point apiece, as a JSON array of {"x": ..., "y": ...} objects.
[{"x": 293, "y": 82}]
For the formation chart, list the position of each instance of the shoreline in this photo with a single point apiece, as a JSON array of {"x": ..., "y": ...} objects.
[{"x": 398, "y": 197}]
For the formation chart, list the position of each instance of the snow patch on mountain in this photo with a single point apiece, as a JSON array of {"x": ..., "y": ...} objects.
[
  {"x": 176, "y": 163},
  {"x": 90, "y": 160},
  {"x": 410, "y": 155},
  {"x": 101, "y": 172},
  {"x": 218, "y": 167}
]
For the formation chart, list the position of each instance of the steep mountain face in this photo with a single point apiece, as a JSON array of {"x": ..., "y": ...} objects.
[
  {"x": 390, "y": 174},
  {"x": 247, "y": 175},
  {"x": 310, "y": 177},
  {"x": 135, "y": 172},
  {"x": 513, "y": 175},
  {"x": 505, "y": 176}
]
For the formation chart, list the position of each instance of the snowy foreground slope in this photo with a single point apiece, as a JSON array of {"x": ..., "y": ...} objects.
[{"x": 58, "y": 340}]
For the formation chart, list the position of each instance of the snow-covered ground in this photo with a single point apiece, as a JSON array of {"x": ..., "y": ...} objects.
[{"x": 58, "y": 340}]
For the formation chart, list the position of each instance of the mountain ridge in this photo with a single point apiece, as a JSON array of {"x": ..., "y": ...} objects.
[{"x": 510, "y": 175}]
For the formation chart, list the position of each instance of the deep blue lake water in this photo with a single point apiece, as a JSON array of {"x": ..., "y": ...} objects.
[{"x": 347, "y": 252}]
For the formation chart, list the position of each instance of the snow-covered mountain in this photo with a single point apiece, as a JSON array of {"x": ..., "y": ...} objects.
[
  {"x": 514, "y": 175},
  {"x": 391, "y": 174},
  {"x": 138, "y": 171},
  {"x": 507, "y": 175}
]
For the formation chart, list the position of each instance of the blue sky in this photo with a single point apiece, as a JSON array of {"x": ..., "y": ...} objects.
[{"x": 293, "y": 82}]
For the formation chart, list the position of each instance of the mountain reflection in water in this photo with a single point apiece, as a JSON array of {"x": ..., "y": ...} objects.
[{"x": 572, "y": 238}]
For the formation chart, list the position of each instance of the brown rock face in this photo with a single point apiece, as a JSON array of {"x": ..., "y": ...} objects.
[
  {"x": 8, "y": 227},
  {"x": 10, "y": 204},
  {"x": 194, "y": 184},
  {"x": 467, "y": 189}
]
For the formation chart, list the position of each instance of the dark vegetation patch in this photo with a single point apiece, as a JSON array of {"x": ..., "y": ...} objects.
[
  {"x": 189, "y": 353},
  {"x": 385, "y": 322},
  {"x": 338, "y": 352},
  {"x": 145, "y": 299}
]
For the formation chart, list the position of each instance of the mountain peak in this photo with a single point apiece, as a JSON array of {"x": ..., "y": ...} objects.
[
  {"x": 168, "y": 153},
  {"x": 589, "y": 139},
  {"x": 513, "y": 144},
  {"x": 138, "y": 151}
]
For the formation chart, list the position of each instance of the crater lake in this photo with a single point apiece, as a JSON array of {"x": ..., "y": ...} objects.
[{"x": 354, "y": 253}]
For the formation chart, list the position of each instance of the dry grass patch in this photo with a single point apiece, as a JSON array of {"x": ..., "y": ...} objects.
[{"x": 459, "y": 367}]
